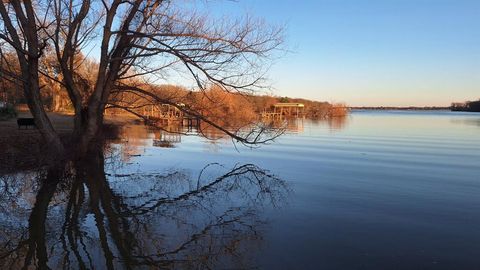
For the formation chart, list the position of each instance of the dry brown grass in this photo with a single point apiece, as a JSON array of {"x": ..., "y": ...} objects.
[{"x": 23, "y": 149}]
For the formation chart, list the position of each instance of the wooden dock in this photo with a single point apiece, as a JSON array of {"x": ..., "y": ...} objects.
[
  {"x": 169, "y": 115},
  {"x": 191, "y": 122},
  {"x": 281, "y": 111},
  {"x": 271, "y": 116},
  {"x": 185, "y": 121}
]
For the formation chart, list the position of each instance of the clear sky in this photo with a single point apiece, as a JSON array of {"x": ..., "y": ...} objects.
[{"x": 373, "y": 52}]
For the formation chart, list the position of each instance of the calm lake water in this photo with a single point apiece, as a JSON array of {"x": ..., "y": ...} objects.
[{"x": 377, "y": 190}]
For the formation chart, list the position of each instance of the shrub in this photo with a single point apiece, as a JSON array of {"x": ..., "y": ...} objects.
[{"x": 7, "y": 112}]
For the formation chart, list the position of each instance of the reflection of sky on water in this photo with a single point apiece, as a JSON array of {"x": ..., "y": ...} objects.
[
  {"x": 82, "y": 216},
  {"x": 474, "y": 121},
  {"x": 380, "y": 190}
]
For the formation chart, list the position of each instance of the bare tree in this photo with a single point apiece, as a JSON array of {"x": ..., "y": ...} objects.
[
  {"x": 135, "y": 43},
  {"x": 21, "y": 26}
]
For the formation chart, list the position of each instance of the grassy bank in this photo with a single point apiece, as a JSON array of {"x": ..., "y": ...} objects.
[{"x": 21, "y": 149}]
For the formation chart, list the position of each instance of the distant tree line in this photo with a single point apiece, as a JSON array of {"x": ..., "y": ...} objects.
[
  {"x": 233, "y": 109},
  {"x": 469, "y": 106}
]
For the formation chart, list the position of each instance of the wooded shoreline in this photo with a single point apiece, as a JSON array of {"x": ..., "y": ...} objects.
[
  {"x": 469, "y": 106},
  {"x": 412, "y": 108}
]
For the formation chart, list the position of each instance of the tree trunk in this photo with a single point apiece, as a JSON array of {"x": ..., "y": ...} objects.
[
  {"x": 32, "y": 94},
  {"x": 91, "y": 127},
  {"x": 28, "y": 52},
  {"x": 94, "y": 113},
  {"x": 57, "y": 101},
  {"x": 79, "y": 120},
  {"x": 88, "y": 123}
]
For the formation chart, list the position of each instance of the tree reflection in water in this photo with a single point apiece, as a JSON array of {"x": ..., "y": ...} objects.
[{"x": 77, "y": 216}]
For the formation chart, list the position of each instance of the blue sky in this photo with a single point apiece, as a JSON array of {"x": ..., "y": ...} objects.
[{"x": 366, "y": 52}]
